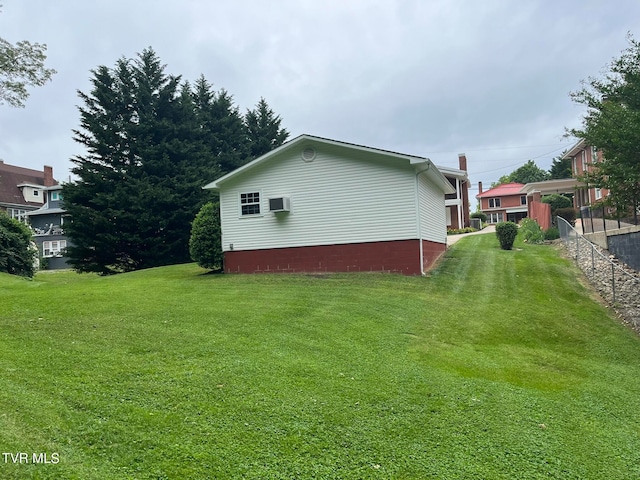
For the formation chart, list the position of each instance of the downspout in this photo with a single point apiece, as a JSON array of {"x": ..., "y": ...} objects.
[{"x": 419, "y": 223}]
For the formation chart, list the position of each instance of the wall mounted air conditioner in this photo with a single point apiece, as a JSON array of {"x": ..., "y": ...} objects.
[{"x": 279, "y": 204}]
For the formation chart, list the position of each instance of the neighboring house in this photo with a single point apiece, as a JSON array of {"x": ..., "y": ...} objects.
[
  {"x": 22, "y": 189},
  {"x": 320, "y": 205},
  {"x": 457, "y": 203},
  {"x": 541, "y": 212},
  {"x": 47, "y": 224},
  {"x": 504, "y": 203},
  {"x": 582, "y": 157}
]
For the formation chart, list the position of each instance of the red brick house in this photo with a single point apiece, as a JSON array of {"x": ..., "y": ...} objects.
[
  {"x": 504, "y": 203},
  {"x": 582, "y": 157}
]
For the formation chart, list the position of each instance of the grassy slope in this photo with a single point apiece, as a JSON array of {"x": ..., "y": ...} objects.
[{"x": 496, "y": 366}]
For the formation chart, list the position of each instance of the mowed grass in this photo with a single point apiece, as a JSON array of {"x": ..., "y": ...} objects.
[{"x": 499, "y": 365}]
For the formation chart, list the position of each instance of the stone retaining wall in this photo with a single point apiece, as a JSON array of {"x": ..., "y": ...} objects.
[{"x": 616, "y": 282}]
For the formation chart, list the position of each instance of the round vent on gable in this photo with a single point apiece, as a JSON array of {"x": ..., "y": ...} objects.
[{"x": 308, "y": 154}]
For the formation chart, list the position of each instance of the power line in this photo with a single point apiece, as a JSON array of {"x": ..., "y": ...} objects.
[
  {"x": 500, "y": 148},
  {"x": 521, "y": 162}
]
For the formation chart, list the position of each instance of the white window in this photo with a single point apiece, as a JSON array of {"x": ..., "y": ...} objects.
[
  {"x": 598, "y": 194},
  {"x": 18, "y": 214},
  {"x": 494, "y": 203},
  {"x": 495, "y": 217},
  {"x": 36, "y": 193},
  {"x": 55, "y": 195},
  {"x": 594, "y": 154},
  {"x": 250, "y": 203},
  {"x": 53, "y": 248}
]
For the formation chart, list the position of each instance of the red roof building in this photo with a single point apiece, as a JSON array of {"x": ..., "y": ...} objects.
[{"x": 504, "y": 203}]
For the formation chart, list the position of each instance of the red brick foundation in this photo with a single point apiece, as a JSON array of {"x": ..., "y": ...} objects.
[{"x": 401, "y": 256}]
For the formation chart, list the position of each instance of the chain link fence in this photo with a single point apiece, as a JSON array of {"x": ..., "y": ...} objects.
[{"x": 617, "y": 284}]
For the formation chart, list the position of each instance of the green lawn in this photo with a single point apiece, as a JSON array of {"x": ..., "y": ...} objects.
[{"x": 497, "y": 365}]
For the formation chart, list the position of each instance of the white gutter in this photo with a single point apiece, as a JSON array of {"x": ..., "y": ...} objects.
[{"x": 419, "y": 223}]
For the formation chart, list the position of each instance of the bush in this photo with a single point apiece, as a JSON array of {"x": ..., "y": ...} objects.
[
  {"x": 569, "y": 214},
  {"x": 506, "y": 233},
  {"x": 531, "y": 231},
  {"x": 17, "y": 256},
  {"x": 482, "y": 216},
  {"x": 205, "y": 245},
  {"x": 557, "y": 201},
  {"x": 552, "y": 234}
]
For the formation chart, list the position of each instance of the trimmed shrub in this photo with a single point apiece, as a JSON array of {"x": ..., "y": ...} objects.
[
  {"x": 531, "y": 231},
  {"x": 552, "y": 234},
  {"x": 569, "y": 214},
  {"x": 205, "y": 245},
  {"x": 506, "y": 233},
  {"x": 482, "y": 216},
  {"x": 557, "y": 201}
]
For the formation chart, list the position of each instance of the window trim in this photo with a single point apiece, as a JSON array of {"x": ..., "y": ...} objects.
[
  {"x": 58, "y": 252},
  {"x": 495, "y": 201},
  {"x": 18, "y": 214},
  {"x": 259, "y": 213},
  {"x": 499, "y": 217}
]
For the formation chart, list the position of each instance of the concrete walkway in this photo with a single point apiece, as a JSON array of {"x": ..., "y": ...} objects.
[{"x": 451, "y": 239}]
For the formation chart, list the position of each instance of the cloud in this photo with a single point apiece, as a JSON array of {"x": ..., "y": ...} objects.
[{"x": 428, "y": 78}]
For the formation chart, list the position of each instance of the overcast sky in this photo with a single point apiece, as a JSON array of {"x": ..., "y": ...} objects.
[{"x": 490, "y": 78}]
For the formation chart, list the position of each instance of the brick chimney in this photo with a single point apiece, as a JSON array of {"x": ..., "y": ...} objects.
[
  {"x": 479, "y": 188},
  {"x": 48, "y": 176},
  {"x": 464, "y": 191},
  {"x": 462, "y": 161}
]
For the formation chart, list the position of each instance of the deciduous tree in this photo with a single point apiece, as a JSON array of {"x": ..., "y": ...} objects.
[
  {"x": 17, "y": 255},
  {"x": 527, "y": 173},
  {"x": 21, "y": 66},
  {"x": 612, "y": 125}
]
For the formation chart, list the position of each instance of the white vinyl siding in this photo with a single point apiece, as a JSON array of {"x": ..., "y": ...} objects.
[
  {"x": 433, "y": 215},
  {"x": 334, "y": 200}
]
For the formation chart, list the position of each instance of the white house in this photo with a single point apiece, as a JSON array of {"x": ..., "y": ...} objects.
[{"x": 320, "y": 205}]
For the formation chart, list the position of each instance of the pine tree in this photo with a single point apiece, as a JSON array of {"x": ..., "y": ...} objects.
[
  {"x": 263, "y": 129},
  {"x": 136, "y": 195},
  {"x": 560, "y": 168},
  {"x": 151, "y": 143}
]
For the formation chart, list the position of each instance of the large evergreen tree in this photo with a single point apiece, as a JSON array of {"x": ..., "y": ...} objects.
[
  {"x": 560, "y": 168},
  {"x": 612, "y": 124},
  {"x": 263, "y": 129},
  {"x": 139, "y": 184},
  {"x": 151, "y": 143}
]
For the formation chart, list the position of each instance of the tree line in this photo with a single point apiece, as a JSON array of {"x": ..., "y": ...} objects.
[{"x": 530, "y": 172}]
